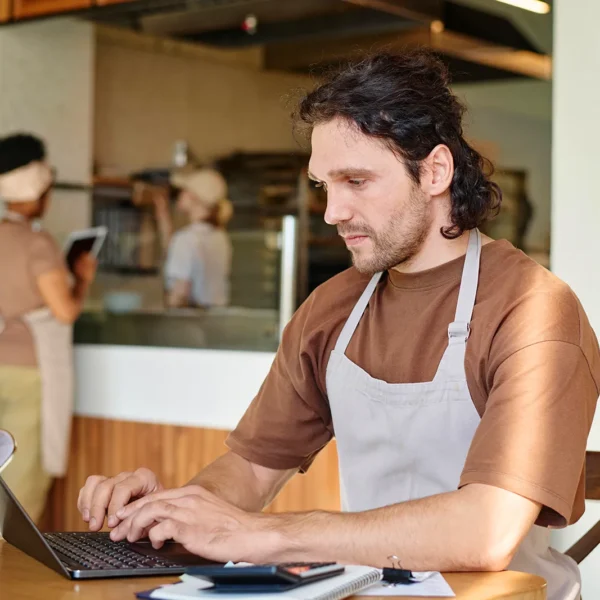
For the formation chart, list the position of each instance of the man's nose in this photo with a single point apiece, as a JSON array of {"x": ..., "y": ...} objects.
[{"x": 338, "y": 211}]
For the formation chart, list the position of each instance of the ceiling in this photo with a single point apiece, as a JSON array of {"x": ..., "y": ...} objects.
[{"x": 481, "y": 40}]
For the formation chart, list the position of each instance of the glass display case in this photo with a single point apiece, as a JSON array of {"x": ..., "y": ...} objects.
[{"x": 282, "y": 250}]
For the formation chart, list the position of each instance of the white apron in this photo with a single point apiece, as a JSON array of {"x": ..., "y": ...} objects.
[
  {"x": 53, "y": 343},
  {"x": 400, "y": 442}
]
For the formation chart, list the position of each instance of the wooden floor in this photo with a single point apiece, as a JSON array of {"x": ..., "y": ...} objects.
[{"x": 176, "y": 454}]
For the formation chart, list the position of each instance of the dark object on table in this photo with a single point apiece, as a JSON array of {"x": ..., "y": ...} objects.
[
  {"x": 265, "y": 578},
  {"x": 397, "y": 576}
]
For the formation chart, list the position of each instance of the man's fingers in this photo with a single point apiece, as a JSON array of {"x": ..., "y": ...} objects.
[
  {"x": 121, "y": 495},
  {"x": 137, "y": 525},
  {"x": 101, "y": 499},
  {"x": 136, "y": 484},
  {"x": 86, "y": 493},
  {"x": 148, "y": 516},
  {"x": 168, "y": 529},
  {"x": 172, "y": 494}
]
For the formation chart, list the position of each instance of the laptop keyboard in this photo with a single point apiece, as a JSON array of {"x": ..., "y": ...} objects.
[{"x": 98, "y": 551}]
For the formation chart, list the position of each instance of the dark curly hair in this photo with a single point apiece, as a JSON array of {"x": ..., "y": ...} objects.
[
  {"x": 406, "y": 101},
  {"x": 20, "y": 149}
]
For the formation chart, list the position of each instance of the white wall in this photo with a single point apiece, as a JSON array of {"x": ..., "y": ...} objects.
[
  {"x": 150, "y": 94},
  {"x": 526, "y": 97},
  {"x": 46, "y": 83},
  {"x": 575, "y": 202},
  {"x": 516, "y": 118}
]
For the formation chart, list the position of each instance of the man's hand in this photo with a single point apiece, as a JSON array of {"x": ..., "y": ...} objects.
[
  {"x": 202, "y": 522},
  {"x": 104, "y": 496}
]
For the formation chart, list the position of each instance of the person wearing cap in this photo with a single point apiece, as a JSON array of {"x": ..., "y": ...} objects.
[
  {"x": 38, "y": 305},
  {"x": 198, "y": 263}
]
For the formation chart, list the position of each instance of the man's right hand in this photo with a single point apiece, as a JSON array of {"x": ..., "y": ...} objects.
[{"x": 102, "y": 497}]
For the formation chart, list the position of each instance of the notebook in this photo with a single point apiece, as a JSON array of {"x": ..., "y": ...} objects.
[{"x": 354, "y": 579}]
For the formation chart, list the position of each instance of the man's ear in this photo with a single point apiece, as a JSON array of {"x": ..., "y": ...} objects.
[{"x": 438, "y": 171}]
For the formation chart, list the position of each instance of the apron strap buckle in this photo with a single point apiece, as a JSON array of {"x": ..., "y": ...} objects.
[{"x": 459, "y": 331}]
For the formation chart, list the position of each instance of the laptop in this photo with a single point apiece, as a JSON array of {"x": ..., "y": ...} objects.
[{"x": 89, "y": 555}]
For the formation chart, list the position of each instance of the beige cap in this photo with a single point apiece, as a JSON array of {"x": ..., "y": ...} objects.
[
  {"x": 25, "y": 184},
  {"x": 208, "y": 185},
  {"x": 208, "y": 188}
]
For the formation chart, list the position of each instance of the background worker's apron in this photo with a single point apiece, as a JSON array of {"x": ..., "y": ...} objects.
[
  {"x": 400, "y": 442},
  {"x": 54, "y": 350}
]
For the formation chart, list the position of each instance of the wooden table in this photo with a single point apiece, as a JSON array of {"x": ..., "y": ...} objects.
[{"x": 22, "y": 578}]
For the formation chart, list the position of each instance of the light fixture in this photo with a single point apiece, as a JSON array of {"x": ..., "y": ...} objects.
[
  {"x": 250, "y": 24},
  {"x": 536, "y": 6},
  {"x": 437, "y": 27}
]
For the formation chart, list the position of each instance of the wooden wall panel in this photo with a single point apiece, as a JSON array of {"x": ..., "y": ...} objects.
[
  {"x": 37, "y": 8},
  {"x": 5, "y": 10},
  {"x": 176, "y": 454}
]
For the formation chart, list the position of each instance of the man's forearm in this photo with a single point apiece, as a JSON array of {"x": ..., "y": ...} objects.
[
  {"x": 237, "y": 481},
  {"x": 447, "y": 532}
]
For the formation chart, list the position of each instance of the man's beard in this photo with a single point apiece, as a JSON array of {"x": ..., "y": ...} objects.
[{"x": 398, "y": 243}]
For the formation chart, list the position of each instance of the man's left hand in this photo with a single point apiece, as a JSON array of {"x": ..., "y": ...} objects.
[{"x": 203, "y": 523}]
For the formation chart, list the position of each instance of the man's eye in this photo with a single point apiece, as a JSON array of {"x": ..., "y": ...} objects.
[{"x": 357, "y": 182}]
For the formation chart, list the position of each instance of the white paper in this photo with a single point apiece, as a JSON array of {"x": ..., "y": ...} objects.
[
  {"x": 433, "y": 585},
  {"x": 423, "y": 575}
]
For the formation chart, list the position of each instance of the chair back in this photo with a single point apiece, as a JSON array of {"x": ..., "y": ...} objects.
[
  {"x": 585, "y": 545},
  {"x": 592, "y": 475}
]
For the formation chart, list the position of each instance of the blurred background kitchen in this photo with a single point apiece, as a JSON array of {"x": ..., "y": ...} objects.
[
  {"x": 214, "y": 84},
  {"x": 125, "y": 91}
]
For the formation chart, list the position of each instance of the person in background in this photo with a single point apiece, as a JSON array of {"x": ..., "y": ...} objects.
[
  {"x": 38, "y": 304},
  {"x": 198, "y": 264}
]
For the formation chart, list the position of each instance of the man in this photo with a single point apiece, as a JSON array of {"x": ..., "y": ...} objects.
[{"x": 459, "y": 377}]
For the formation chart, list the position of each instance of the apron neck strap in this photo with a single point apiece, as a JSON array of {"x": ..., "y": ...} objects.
[
  {"x": 459, "y": 329},
  {"x": 356, "y": 314}
]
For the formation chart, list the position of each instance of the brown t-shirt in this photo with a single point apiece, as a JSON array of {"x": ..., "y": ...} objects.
[
  {"x": 532, "y": 365},
  {"x": 25, "y": 255}
]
